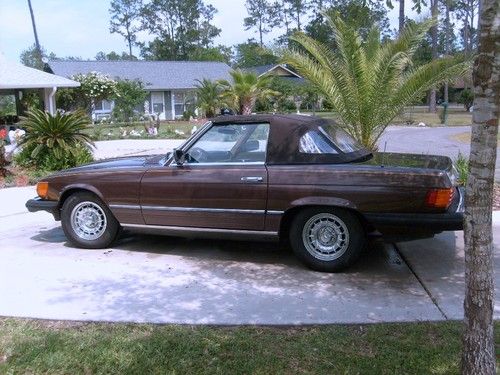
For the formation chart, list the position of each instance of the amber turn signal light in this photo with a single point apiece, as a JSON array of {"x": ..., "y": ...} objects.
[
  {"x": 439, "y": 198},
  {"x": 42, "y": 189}
]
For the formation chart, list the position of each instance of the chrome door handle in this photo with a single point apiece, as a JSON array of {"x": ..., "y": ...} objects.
[{"x": 252, "y": 179}]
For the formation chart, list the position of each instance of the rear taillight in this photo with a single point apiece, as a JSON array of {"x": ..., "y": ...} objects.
[{"x": 439, "y": 198}]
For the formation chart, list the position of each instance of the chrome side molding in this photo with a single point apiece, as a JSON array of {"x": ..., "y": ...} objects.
[{"x": 198, "y": 232}]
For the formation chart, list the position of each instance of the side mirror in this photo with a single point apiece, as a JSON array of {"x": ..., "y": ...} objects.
[{"x": 179, "y": 156}]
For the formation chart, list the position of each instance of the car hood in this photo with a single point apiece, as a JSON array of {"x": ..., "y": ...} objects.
[{"x": 125, "y": 162}]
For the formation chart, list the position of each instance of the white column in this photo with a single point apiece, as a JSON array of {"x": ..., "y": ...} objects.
[
  {"x": 49, "y": 99},
  {"x": 173, "y": 103}
]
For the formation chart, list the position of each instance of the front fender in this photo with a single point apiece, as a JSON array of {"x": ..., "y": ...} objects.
[{"x": 87, "y": 187}]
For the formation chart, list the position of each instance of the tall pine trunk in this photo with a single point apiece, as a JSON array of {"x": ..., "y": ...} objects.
[
  {"x": 446, "y": 41},
  {"x": 401, "y": 16},
  {"x": 37, "y": 42},
  {"x": 434, "y": 36},
  {"x": 478, "y": 355}
]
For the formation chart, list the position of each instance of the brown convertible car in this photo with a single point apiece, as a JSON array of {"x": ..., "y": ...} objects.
[{"x": 295, "y": 178}]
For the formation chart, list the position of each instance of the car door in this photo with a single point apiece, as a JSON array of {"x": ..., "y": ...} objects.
[{"x": 221, "y": 184}]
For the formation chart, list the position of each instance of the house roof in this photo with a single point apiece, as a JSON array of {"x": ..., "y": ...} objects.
[
  {"x": 156, "y": 75},
  {"x": 263, "y": 69},
  {"x": 17, "y": 76}
]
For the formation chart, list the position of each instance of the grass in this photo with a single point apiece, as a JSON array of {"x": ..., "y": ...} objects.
[
  {"x": 44, "y": 347},
  {"x": 104, "y": 132},
  {"x": 414, "y": 115},
  {"x": 465, "y": 137},
  {"x": 411, "y": 116}
]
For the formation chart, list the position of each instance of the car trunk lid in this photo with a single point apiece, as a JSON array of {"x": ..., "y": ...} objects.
[{"x": 390, "y": 159}]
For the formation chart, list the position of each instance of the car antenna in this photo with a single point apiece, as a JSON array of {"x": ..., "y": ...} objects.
[{"x": 383, "y": 155}]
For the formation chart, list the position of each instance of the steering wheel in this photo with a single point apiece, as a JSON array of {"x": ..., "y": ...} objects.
[{"x": 197, "y": 155}]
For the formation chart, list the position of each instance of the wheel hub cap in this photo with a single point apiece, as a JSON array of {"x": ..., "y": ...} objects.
[
  {"x": 88, "y": 220},
  {"x": 325, "y": 236}
]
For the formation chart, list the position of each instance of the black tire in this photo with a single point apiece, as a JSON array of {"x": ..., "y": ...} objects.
[
  {"x": 337, "y": 251},
  {"x": 100, "y": 233}
]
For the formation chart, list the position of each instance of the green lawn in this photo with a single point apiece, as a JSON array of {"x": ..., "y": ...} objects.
[
  {"x": 44, "y": 347},
  {"x": 104, "y": 132},
  {"x": 414, "y": 115},
  {"x": 411, "y": 116}
]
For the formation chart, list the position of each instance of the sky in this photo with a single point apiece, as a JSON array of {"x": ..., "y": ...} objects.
[{"x": 81, "y": 27}]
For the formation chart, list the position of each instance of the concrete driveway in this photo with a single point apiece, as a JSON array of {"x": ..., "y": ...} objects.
[{"x": 172, "y": 280}]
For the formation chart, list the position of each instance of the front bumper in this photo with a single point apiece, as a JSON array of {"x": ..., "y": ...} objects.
[
  {"x": 452, "y": 219},
  {"x": 39, "y": 204}
]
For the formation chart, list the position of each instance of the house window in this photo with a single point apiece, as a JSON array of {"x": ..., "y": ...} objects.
[
  {"x": 179, "y": 105},
  {"x": 102, "y": 105},
  {"x": 157, "y": 102}
]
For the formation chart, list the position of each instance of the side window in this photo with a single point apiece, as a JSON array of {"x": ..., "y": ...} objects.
[
  {"x": 313, "y": 142},
  {"x": 231, "y": 143}
]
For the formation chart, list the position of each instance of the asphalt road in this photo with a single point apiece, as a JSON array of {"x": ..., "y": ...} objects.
[
  {"x": 428, "y": 140},
  {"x": 172, "y": 280}
]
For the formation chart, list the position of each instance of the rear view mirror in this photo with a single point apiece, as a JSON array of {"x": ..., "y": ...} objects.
[
  {"x": 179, "y": 156},
  {"x": 226, "y": 130},
  {"x": 252, "y": 145}
]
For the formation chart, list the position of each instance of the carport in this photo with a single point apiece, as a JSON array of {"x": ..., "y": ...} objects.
[{"x": 16, "y": 78}]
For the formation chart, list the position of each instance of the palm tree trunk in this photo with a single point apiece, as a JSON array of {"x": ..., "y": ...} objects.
[
  {"x": 246, "y": 106},
  {"x": 478, "y": 355}
]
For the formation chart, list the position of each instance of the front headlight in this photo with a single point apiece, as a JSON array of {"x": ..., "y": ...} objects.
[{"x": 42, "y": 189}]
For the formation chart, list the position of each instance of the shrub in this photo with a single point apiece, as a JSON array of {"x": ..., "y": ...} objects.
[
  {"x": 462, "y": 167},
  {"x": 466, "y": 98},
  {"x": 54, "y": 142},
  {"x": 129, "y": 96}
]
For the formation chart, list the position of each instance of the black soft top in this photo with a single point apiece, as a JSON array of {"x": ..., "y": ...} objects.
[{"x": 284, "y": 138}]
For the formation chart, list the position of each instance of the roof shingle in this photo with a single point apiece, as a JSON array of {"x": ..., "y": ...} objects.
[{"x": 156, "y": 75}]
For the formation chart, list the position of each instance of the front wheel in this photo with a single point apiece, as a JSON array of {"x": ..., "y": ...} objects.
[
  {"x": 87, "y": 222},
  {"x": 327, "y": 239}
]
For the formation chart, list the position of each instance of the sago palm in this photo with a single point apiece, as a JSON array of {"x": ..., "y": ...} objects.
[
  {"x": 59, "y": 134},
  {"x": 369, "y": 82},
  {"x": 208, "y": 97},
  {"x": 246, "y": 89}
]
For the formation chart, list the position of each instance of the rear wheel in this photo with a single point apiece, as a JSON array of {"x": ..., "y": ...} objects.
[
  {"x": 327, "y": 239},
  {"x": 87, "y": 222}
]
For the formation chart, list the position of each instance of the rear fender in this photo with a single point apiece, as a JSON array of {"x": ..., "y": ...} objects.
[{"x": 323, "y": 201}]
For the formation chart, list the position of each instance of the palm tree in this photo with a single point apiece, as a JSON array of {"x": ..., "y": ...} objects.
[
  {"x": 208, "y": 97},
  {"x": 246, "y": 89},
  {"x": 59, "y": 134},
  {"x": 370, "y": 83}
]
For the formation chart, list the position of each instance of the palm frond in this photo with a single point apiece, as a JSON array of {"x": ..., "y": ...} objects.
[{"x": 367, "y": 82}]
